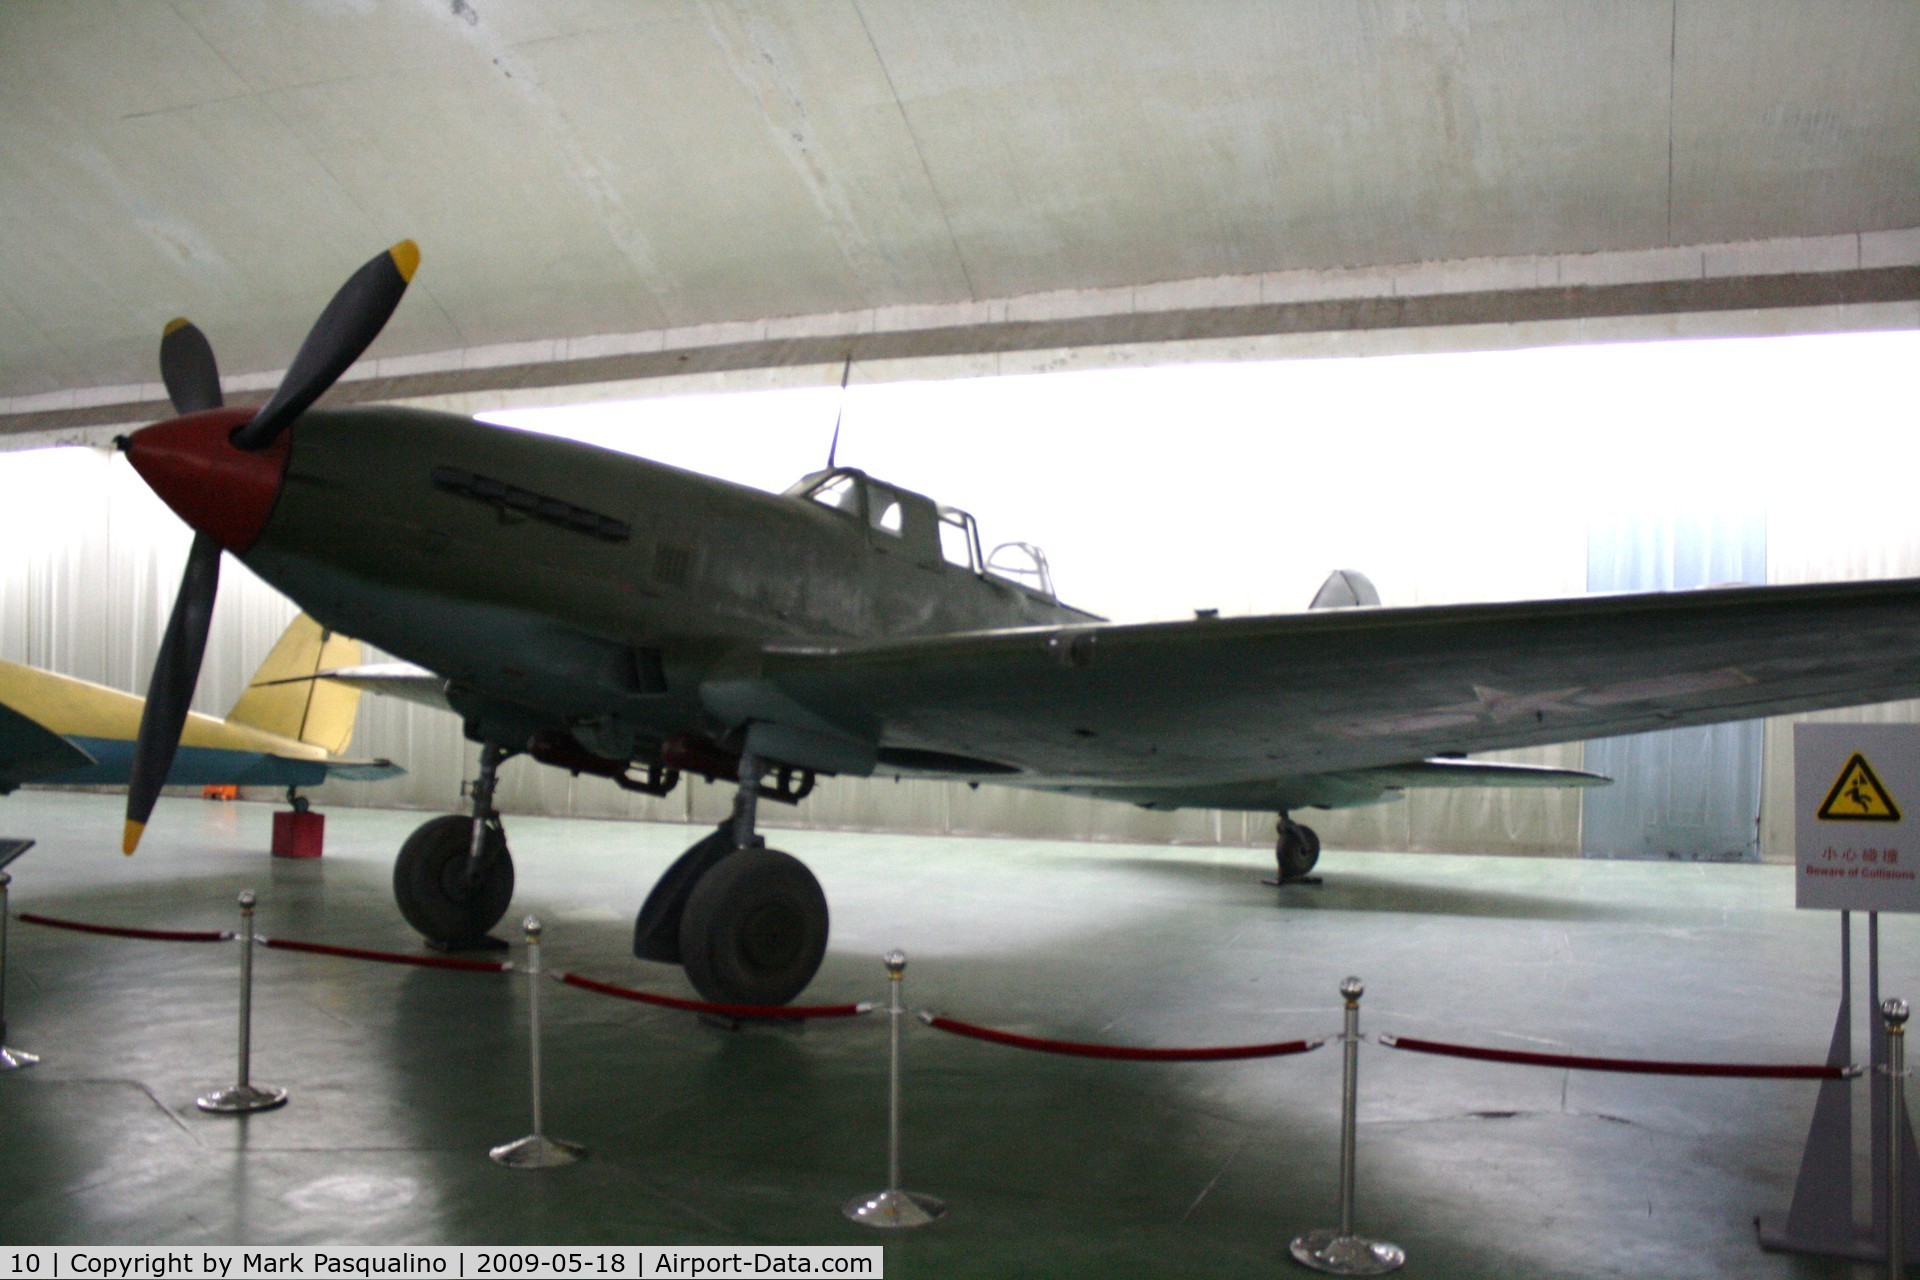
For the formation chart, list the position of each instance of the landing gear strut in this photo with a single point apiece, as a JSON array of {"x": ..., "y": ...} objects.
[
  {"x": 454, "y": 876},
  {"x": 1296, "y": 851},
  {"x": 747, "y": 922}
]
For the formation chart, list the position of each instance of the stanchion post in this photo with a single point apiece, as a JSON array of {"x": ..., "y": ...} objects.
[
  {"x": 1895, "y": 1013},
  {"x": 896, "y": 1206},
  {"x": 536, "y": 1150},
  {"x": 244, "y": 1096},
  {"x": 10, "y": 1059},
  {"x": 1341, "y": 1252}
]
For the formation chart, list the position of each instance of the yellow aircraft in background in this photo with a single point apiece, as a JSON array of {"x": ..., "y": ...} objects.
[{"x": 287, "y": 729}]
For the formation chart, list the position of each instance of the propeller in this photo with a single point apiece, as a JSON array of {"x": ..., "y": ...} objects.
[
  {"x": 188, "y": 368},
  {"x": 348, "y": 325},
  {"x": 175, "y": 672},
  {"x": 345, "y": 329}
]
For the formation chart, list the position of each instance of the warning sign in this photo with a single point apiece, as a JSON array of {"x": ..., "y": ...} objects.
[
  {"x": 1855, "y": 849},
  {"x": 1858, "y": 795}
]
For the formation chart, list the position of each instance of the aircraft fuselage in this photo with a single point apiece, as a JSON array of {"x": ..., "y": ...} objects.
[{"x": 552, "y": 581}]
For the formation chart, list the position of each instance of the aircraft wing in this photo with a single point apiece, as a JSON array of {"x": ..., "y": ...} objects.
[
  {"x": 30, "y": 750},
  {"x": 1314, "y": 708},
  {"x": 109, "y": 760}
]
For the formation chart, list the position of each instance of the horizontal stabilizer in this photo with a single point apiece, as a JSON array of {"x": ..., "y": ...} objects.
[
  {"x": 1346, "y": 788},
  {"x": 1450, "y": 771},
  {"x": 362, "y": 770},
  {"x": 401, "y": 680},
  {"x": 1344, "y": 589}
]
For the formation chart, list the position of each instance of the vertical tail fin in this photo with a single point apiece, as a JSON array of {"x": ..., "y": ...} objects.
[
  {"x": 318, "y": 712},
  {"x": 1345, "y": 589}
]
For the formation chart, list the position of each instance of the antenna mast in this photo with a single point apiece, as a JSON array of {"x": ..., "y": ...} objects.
[{"x": 834, "y": 447}]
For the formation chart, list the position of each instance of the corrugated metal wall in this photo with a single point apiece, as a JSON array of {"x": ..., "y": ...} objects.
[{"x": 1686, "y": 794}]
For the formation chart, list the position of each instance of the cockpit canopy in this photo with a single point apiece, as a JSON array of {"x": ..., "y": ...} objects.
[{"x": 923, "y": 527}]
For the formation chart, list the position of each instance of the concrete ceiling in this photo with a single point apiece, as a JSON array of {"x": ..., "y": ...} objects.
[{"x": 577, "y": 167}]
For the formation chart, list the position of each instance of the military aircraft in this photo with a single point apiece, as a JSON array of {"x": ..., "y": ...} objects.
[
  {"x": 610, "y": 615},
  {"x": 285, "y": 731}
]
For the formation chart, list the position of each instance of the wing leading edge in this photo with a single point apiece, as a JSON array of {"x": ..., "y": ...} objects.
[{"x": 1341, "y": 702}]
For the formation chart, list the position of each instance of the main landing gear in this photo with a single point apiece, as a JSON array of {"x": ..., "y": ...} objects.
[
  {"x": 1296, "y": 851},
  {"x": 454, "y": 876},
  {"x": 748, "y": 923}
]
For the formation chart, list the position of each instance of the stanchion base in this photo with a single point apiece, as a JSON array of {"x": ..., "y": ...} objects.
[
  {"x": 15, "y": 1059},
  {"x": 536, "y": 1151},
  {"x": 894, "y": 1208},
  {"x": 238, "y": 1099},
  {"x": 1339, "y": 1255}
]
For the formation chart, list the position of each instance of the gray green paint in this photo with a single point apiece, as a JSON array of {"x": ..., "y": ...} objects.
[{"x": 781, "y": 613}]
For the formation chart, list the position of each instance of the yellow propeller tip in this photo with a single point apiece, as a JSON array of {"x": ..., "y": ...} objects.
[
  {"x": 175, "y": 325},
  {"x": 406, "y": 259},
  {"x": 131, "y": 840}
]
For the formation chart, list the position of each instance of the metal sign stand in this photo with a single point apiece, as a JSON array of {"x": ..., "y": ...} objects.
[
  {"x": 1820, "y": 1219},
  {"x": 1894, "y": 1015},
  {"x": 10, "y": 1059},
  {"x": 1885, "y": 1123}
]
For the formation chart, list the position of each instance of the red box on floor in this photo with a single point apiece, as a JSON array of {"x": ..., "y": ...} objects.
[{"x": 297, "y": 834}]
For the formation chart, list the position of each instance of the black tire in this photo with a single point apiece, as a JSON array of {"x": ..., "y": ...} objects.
[
  {"x": 754, "y": 929},
  {"x": 1297, "y": 851},
  {"x": 656, "y": 930},
  {"x": 430, "y": 882}
]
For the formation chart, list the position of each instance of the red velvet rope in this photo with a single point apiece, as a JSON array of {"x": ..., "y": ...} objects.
[
  {"x": 1757, "y": 1071},
  {"x": 388, "y": 957},
  {"x": 723, "y": 1010},
  {"x": 117, "y": 931},
  {"x": 1075, "y": 1049}
]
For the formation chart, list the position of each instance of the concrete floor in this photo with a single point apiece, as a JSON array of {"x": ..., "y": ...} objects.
[{"x": 402, "y": 1078}]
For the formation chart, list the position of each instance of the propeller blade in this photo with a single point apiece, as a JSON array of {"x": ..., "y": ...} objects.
[
  {"x": 345, "y": 329},
  {"x": 187, "y": 367},
  {"x": 175, "y": 672}
]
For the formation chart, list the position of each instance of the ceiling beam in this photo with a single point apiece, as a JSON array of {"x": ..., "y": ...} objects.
[{"x": 1803, "y": 275}]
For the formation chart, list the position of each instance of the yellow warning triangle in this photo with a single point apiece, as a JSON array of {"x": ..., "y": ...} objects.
[{"x": 1858, "y": 796}]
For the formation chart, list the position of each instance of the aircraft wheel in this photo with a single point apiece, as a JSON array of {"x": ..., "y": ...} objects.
[
  {"x": 430, "y": 882},
  {"x": 754, "y": 929},
  {"x": 1297, "y": 850},
  {"x": 656, "y": 930}
]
